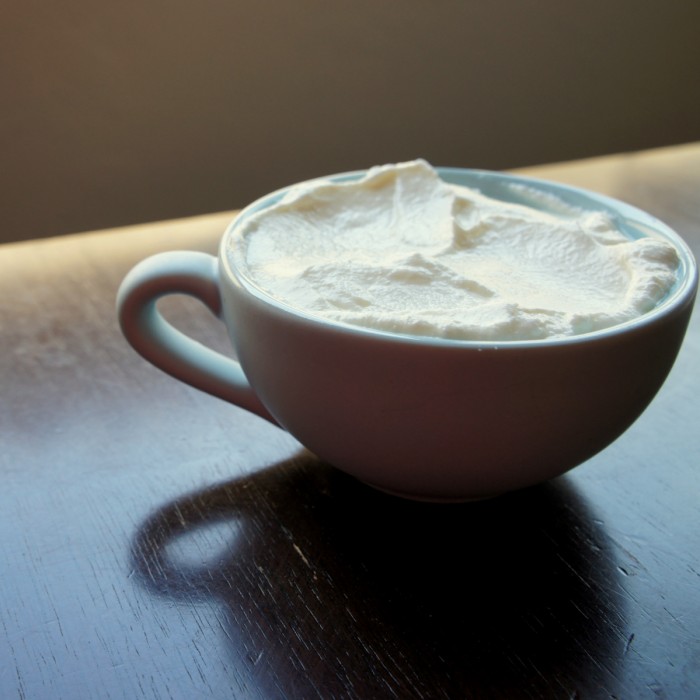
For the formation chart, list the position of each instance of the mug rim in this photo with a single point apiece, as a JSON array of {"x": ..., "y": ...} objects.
[{"x": 683, "y": 293}]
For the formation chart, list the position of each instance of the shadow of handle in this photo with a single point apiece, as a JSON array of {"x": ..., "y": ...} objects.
[{"x": 153, "y": 550}]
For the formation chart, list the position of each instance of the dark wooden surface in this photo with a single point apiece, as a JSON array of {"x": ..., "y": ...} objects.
[{"x": 159, "y": 543}]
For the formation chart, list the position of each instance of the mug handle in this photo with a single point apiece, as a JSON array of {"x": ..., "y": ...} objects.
[{"x": 196, "y": 275}]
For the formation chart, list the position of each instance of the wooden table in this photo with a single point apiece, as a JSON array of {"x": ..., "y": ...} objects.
[{"x": 158, "y": 543}]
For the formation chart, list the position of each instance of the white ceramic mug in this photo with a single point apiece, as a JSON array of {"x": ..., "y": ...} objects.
[{"x": 421, "y": 417}]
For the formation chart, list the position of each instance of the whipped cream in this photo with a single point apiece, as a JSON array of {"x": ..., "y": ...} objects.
[{"x": 404, "y": 252}]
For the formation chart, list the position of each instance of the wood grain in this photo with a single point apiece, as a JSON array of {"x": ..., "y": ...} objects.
[{"x": 159, "y": 543}]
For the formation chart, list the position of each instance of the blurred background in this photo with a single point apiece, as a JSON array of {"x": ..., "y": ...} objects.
[{"x": 141, "y": 110}]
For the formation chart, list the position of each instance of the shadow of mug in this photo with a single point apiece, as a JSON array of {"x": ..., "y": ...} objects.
[{"x": 332, "y": 589}]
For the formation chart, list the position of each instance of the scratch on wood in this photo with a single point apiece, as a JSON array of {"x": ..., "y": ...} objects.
[
  {"x": 297, "y": 549},
  {"x": 629, "y": 643}
]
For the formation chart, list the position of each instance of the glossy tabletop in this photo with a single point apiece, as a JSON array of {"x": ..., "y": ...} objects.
[{"x": 158, "y": 543}]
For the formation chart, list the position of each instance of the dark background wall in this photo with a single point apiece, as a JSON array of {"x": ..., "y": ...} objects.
[{"x": 123, "y": 112}]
